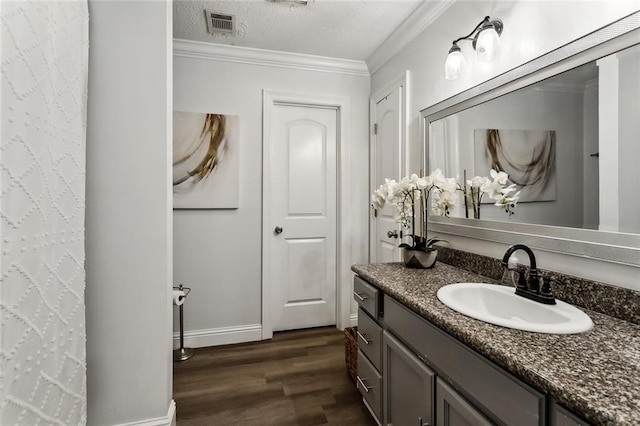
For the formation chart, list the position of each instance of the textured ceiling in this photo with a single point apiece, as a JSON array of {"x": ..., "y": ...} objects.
[{"x": 350, "y": 29}]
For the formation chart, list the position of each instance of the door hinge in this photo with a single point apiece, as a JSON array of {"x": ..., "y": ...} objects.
[{"x": 375, "y": 128}]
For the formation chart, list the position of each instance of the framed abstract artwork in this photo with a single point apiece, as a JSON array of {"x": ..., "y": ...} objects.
[
  {"x": 205, "y": 161},
  {"x": 527, "y": 156}
]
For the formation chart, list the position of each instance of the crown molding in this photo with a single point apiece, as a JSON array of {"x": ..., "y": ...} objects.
[
  {"x": 567, "y": 86},
  {"x": 415, "y": 24},
  {"x": 269, "y": 58}
]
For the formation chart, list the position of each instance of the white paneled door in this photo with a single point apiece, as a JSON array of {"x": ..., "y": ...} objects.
[
  {"x": 300, "y": 248},
  {"x": 386, "y": 162}
]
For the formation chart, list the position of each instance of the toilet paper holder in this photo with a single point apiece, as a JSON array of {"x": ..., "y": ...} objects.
[
  {"x": 182, "y": 353},
  {"x": 186, "y": 290}
]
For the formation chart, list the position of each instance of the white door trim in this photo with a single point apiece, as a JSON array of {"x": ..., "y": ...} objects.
[
  {"x": 343, "y": 250},
  {"x": 402, "y": 81}
]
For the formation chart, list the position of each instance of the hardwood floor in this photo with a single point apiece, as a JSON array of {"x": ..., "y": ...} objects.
[{"x": 298, "y": 378}]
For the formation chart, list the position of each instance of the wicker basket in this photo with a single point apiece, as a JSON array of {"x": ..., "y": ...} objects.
[{"x": 351, "y": 351}]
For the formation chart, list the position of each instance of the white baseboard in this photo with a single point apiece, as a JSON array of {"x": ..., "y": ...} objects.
[
  {"x": 354, "y": 320},
  {"x": 219, "y": 336},
  {"x": 168, "y": 420}
]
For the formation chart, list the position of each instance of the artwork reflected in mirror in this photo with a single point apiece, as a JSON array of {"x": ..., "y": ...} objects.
[
  {"x": 205, "y": 160},
  {"x": 526, "y": 156}
]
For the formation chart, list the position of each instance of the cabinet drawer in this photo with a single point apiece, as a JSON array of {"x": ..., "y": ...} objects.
[
  {"x": 369, "y": 383},
  {"x": 369, "y": 338},
  {"x": 503, "y": 396},
  {"x": 367, "y": 296}
]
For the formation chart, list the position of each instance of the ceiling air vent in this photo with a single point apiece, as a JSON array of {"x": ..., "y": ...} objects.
[{"x": 220, "y": 23}]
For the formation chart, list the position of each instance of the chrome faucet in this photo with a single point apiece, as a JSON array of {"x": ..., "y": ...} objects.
[{"x": 530, "y": 288}]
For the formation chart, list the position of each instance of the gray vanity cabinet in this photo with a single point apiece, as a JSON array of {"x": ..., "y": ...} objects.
[
  {"x": 453, "y": 410},
  {"x": 369, "y": 336},
  {"x": 408, "y": 386},
  {"x": 502, "y": 397},
  {"x": 415, "y": 373}
]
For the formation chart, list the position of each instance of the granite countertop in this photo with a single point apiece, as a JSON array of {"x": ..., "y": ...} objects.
[{"x": 596, "y": 373}]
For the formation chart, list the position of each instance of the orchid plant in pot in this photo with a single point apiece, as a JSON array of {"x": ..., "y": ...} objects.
[
  {"x": 495, "y": 187},
  {"x": 410, "y": 197}
]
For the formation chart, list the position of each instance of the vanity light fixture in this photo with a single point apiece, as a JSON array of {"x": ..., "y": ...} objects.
[{"x": 485, "y": 39}]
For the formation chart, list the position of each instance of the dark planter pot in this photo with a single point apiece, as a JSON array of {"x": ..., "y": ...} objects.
[{"x": 419, "y": 259}]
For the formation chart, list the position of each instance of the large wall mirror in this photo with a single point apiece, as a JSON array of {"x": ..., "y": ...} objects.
[{"x": 565, "y": 127}]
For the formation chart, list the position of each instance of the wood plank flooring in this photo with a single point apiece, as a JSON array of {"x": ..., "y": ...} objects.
[{"x": 297, "y": 378}]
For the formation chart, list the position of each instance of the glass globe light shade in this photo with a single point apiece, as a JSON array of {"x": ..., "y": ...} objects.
[
  {"x": 488, "y": 44},
  {"x": 455, "y": 65}
]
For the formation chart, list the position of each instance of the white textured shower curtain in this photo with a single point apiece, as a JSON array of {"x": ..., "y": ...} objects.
[{"x": 44, "y": 65}]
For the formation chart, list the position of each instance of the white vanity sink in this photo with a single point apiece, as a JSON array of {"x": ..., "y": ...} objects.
[{"x": 497, "y": 304}]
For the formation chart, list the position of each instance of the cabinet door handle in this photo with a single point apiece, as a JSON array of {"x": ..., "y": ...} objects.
[
  {"x": 359, "y": 296},
  {"x": 361, "y": 383},
  {"x": 364, "y": 339},
  {"x": 421, "y": 423}
]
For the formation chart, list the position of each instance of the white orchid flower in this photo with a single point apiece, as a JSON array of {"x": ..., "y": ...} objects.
[
  {"x": 445, "y": 201},
  {"x": 508, "y": 202},
  {"x": 404, "y": 185},
  {"x": 449, "y": 184},
  {"x": 509, "y": 189},
  {"x": 478, "y": 181},
  {"x": 500, "y": 177},
  {"x": 379, "y": 197},
  {"x": 423, "y": 182},
  {"x": 493, "y": 189},
  {"x": 438, "y": 179},
  {"x": 392, "y": 188},
  {"x": 414, "y": 179}
]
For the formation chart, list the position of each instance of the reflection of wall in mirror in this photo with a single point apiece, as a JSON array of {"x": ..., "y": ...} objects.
[{"x": 527, "y": 156}]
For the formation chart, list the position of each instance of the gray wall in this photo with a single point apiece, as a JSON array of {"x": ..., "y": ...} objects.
[
  {"x": 218, "y": 252},
  {"x": 128, "y": 219}
]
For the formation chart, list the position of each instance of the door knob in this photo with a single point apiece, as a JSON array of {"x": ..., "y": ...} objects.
[
  {"x": 277, "y": 230},
  {"x": 392, "y": 234}
]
